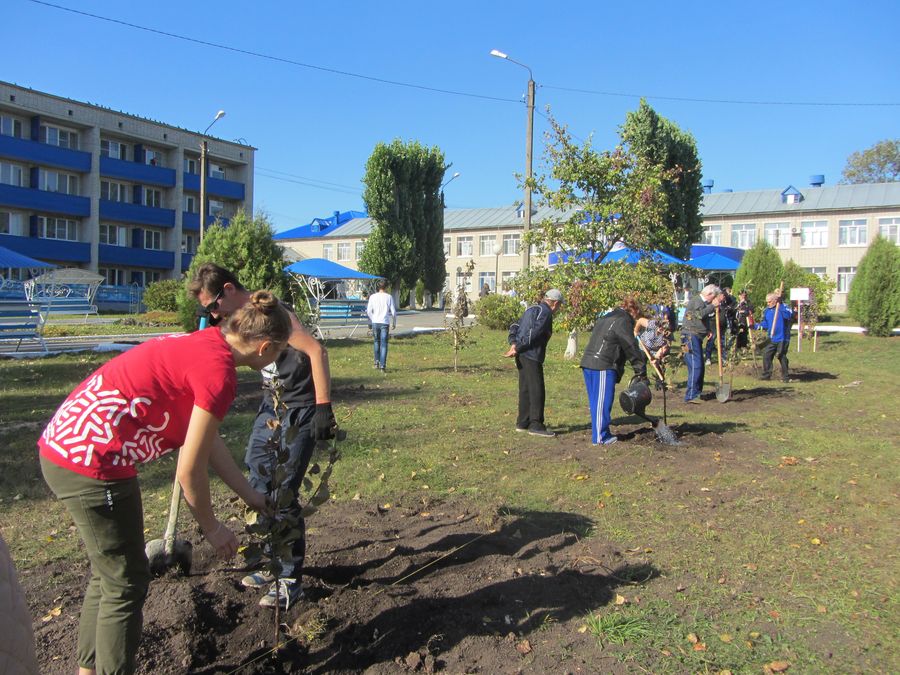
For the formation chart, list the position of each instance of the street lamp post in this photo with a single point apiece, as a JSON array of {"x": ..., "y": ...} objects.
[
  {"x": 498, "y": 249},
  {"x": 452, "y": 178},
  {"x": 529, "y": 142},
  {"x": 204, "y": 149}
]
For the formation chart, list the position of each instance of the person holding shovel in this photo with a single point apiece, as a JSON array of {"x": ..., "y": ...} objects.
[
  {"x": 303, "y": 372},
  {"x": 164, "y": 394},
  {"x": 777, "y": 322},
  {"x": 612, "y": 341},
  {"x": 700, "y": 309}
]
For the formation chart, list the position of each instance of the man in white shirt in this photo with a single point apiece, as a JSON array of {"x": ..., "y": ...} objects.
[{"x": 381, "y": 310}]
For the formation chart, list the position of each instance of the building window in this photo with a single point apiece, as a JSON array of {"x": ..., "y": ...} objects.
[
  {"x": 191, "y": 204},
  {"x": 113, "y": 276},
  {"x": 153, "y": 240},
  {"x": 446, "y": 247},
  {"x": 464, "y": 247},
  {"x": 845, "y": 278},
  {"x": 54, "y": 181},
  {"x": 217, "y": 171},
  {"x": 343, "y": 251},
  {"x": 153, "y": 158},
  {"x": 115, "y": 192},
  {"x": 12, "y": 174},
  {"x": 818, "y": 271},
  {"x": 57, "y": 228},
  {"x": 486, "y": 244},
  {"x": 464, "y": 280},
  {"x": 190, "y": 166},
  {"x": 113, "y": 149},
  {"x": 360, "y": 245},
  {"x": 12, "y": 223},
  {"x": 328, "y": 251},
  {"x": 488, "y": 278},
  {"x": 188, "y": 245},
  {"x": 511, "y": 244},
  {"x": 743, "y": 235},
  {"x": 10, "y": 126},
  {"x": 889, "y": 228},
  {"x": 853, "y": 232},
  {"x": 814, "y": 234},
  {"x": 712, "y": 235},
  {"x": 114, "y": 235},
  {"x": 216, "y": 207},
  {"x": 64, "y": 138},
  {"x": 778, "y": 234},
  {"x": 152, "y": 277},
  {"x": 152, "y": 197}
]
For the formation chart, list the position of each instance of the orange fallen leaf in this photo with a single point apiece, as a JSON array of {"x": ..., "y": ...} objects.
[
  {"x": 692, "y": 638},
  {"x": 815, "y": 541},
  {"x": 775, "y": 614},
  {"x": 789, "y": 461},
  {"x": 524, "y": 647},
  {"x": 822, "y": 609},
  {"x": 620, "y": 599},
  {"x": 53, "y": 613},
  {"x": 751, "y": 566},
  {"x": 726, "y": 638},
  {"x": 700, "y": 647},
  {"x": 778, "y": 666}
]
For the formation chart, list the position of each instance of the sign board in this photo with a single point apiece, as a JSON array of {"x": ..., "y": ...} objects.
[{"x": 800, "y": 294}]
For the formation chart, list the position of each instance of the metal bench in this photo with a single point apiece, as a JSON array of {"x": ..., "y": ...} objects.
[
  {"x": 21, "y": 320},
  {"x": 340, "y": 314},
  {"x": 51, "y": 306}
]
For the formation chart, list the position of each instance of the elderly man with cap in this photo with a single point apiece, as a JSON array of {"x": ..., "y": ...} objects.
[
  {"x": 697, "y": 315},
  {"x": 529, "y": 347}
]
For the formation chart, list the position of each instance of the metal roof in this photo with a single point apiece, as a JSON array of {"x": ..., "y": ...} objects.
[{"x": 826, "y": 198}]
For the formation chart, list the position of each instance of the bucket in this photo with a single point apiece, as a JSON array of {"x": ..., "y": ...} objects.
[{"x": 635, "y": 398}]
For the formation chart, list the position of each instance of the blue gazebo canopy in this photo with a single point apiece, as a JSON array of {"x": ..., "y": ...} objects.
[
  {"x": 714, "y": 262},
  {"x": 326, "y": 269},
  {"x": 11, "y": 259},
  {"x": 628, "y": 255}
]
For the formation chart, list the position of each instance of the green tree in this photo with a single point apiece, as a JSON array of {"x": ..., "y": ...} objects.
[
  {"x": 761, "y": 272},
  {"x": 878, "y": 164},
  {"x": 874, "y": 298},
  {"x": 162, "y": 296},
  {"x": 403, "y": 183},
  {"x": 822, "y": 288},
  {"x": 662, "y": 143},
  {"x": 245, "y": 247}
]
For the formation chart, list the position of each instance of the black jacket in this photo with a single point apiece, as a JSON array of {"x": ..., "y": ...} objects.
[
  {"x": 612, "y": 341},
  {"x": 535, "y": 329}
]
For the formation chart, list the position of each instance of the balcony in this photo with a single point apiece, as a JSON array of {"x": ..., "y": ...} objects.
[
  {"x": 136, "y": 257},
  {"x": 137, "y": 172},
  {"x": 186, "y": 260},
  {"x": 49, "y": 250},
  {"x": 215, "y": 187},
  {"x": 135, "y": 213},
  {"x": 191, "y": 221},
  {"x": 44, "y": 154},
  {"x": 44, "y": 201}
]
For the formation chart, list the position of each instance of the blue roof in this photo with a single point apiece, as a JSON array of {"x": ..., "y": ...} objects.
[
  {"x": 736, "y": 254},
  {"x": 714, "y": 262},
  {"x": 319, "y": 227},
  {"x": 11, "y": 259},
  {"x": 630, "y": 256},
  {"x": 325, "y": 269}
]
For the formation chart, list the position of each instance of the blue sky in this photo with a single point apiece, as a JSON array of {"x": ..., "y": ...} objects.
[{"x": 314, "y": 129}]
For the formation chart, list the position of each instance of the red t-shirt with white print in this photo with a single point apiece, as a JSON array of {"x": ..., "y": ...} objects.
[{"x": 136, "y": 407}]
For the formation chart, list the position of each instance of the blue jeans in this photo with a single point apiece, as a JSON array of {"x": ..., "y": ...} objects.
[
  {"x": 693, "y": 359},
  {"x": 380, "y": 344},
  {"x": 601, "y": 391},
  {"x": 259, "y": 461},
  {"x": 711, "y": 347}
]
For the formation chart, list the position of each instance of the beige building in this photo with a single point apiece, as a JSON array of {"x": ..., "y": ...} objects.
[{"x": 825, "y": 229}]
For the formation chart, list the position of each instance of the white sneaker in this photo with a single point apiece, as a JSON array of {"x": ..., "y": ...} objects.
[
  {"x": 257, "y": 579},
  {"x": 289, "y": 592}
]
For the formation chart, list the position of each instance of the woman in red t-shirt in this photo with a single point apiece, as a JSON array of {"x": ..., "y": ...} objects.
[{"x": 164, "y": 394}]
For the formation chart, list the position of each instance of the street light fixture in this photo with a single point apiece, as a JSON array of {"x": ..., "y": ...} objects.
[
  {"x": 204, "y": 149},
  {"x": 497, "y": 250},
  {"x": 528, "y": 148}
]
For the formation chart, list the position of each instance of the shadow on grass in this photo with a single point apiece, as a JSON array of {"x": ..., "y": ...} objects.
[
  {"x": 811, "y": 375},
  {"x": 738, "y": 395},
  {"x": 689, "y": 429}
]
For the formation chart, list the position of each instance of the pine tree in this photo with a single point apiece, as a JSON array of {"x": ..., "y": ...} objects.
[{"x": 874, "y": 298}]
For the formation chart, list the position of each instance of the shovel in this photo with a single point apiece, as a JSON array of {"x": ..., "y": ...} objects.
[
  {"x": 723, "y": 391},
  {"x": 169, "y": 551},
  {"x": 752, "y": 347},
  {"x": 662, "y": 379}
]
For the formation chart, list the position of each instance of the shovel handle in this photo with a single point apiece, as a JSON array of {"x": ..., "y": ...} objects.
[
  {"x": 719, "y": 344},
  {"x": 652, "y": 362},
  {"x": 169, "y": 536}
]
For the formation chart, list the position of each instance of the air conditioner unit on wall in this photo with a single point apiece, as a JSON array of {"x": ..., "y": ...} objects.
[{"x": 795, "y": 230}]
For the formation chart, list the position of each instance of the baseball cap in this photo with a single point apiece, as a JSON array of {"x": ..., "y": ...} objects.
[{"x": 554, "y": 294}]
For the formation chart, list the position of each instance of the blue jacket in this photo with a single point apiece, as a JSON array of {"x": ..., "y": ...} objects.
[
  {"x": 782, "y": 328},
  {"x": 535, "y": 329}
]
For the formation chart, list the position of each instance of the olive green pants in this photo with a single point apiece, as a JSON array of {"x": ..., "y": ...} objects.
[{"x": 110, "y": 519}]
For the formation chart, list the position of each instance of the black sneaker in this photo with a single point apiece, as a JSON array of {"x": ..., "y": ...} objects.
[{"x": 546, "y": 433}]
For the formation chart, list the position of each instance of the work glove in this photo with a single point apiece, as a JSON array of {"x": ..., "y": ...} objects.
[{"x": 324, "y": 423}]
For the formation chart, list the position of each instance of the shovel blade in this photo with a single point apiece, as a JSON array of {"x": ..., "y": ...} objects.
[
  {"x": 160, "y": 562},
  {"x": 723, "y": 392}
]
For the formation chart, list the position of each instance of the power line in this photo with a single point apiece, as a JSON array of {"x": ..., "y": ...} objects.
[
  {"x": 315, "y": 180},
  {"x": 278, "y": 59},
  {"x": 308, "y": 184}
]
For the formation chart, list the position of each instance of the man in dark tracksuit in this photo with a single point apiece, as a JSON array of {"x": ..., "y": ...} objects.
[
  {"x": 530, "y": 348},
  {"x": 780, "y": 336},
  {"x": 612, "y": 341},
  {"x": 698, "y": 315}
]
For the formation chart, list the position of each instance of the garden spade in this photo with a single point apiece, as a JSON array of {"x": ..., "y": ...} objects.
[
  {"x": 723, "y": 391},
  {"x": 169, "y": 551},
  {"x": 662, "y": 379}
]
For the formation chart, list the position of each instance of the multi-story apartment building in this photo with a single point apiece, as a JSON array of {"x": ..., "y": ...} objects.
[
  {"x": 825, "y": 229},
  {"x": 84, "y": 186}
]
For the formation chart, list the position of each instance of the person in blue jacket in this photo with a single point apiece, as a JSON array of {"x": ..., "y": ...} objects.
[
  {"x": 780, "y": 336},
  {"x": 529, "y": 346}
]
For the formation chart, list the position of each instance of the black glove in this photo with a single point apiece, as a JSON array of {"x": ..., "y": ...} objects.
[{"x": 324, "y": 423}]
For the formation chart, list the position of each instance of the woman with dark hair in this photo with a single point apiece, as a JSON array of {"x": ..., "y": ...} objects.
[
  {"x": 164, "y": 394},
  {"x": 603, "y": 364}
]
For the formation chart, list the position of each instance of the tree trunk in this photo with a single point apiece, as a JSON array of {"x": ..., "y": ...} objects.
[
  {"x": 572, "y": 345},
  {"x": 426, "y": 300},
  {"x": 412, "y": 298}
]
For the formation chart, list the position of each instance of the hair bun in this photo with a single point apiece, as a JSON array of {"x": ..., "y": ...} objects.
[{"x": 264, "y": 301}]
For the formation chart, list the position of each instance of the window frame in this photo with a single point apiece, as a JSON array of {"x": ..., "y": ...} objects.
[
  {"x": 342, "y": 251},
  {"x": 69, "y": 224},
  {"x": 893, "y": 224},
  {"x": 856, "y": 226},
  {"x": 121, "y": 232},
  {"x": 845, "y": 278},
  {"x": 738, "y": 240},
  {"x": 708, "y": 231},
  {"x": 814, "y": 227},
  {"x": 512, "y": 244},
  {"x": 358, "y": 248},
  {"x": 328, "y": 251},
  {"x": 156, "y": 201},
  {"x": 12, "y": 167},
  {"x": 779, "y": 228},
  {"x": 470, "y": 245},
  {"x": 486, "y": 244},
  {"x": 153, "y": 240}
]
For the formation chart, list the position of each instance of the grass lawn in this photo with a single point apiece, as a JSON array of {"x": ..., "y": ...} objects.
[{"x": 771, "y": 533}]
